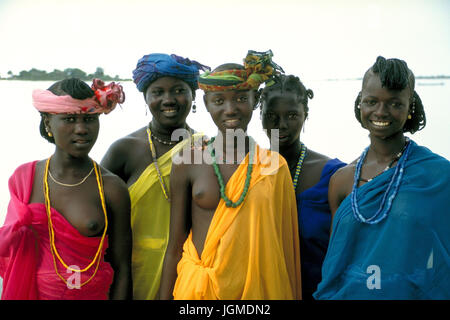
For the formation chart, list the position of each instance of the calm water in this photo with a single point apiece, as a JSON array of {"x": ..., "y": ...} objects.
[{"x": 331, "y": 128}]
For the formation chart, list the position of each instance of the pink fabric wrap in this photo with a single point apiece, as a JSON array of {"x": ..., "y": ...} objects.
[
  {"x": 105, "y": 100},
  {"x": 26, "y": 263}
]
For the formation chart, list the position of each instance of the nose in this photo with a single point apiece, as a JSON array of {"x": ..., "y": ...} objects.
[
  {"x": 81, "y": 128},
  {"x": 282, "y": 123},
  {"x": 168, "y": 99},
  {"x": 229, "y": 108},
  {"x": 381, "y": 109}
]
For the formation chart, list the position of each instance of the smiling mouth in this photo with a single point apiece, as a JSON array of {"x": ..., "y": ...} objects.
[
  {"x": 231, "y": 123},
  {"x": 380, "y": 123},
  {"x": 170, "y": 111}
]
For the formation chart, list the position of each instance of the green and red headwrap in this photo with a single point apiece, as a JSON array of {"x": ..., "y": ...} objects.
[{"x": 258, "y": 68}]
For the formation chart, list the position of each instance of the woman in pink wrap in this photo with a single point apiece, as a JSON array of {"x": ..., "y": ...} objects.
[{"x": 65, "y": 211}]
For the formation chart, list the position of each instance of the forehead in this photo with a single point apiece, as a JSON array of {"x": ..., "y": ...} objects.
[
  {"x": 373, "y": 87},
  {"x": 229, "y": 93},
  {"x": 167, "y": 82},
  {"x": 286, "y": 101}
]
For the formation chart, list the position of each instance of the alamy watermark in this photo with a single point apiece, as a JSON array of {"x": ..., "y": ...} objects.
[
  {"x": 74, "y": 280},
  {"x": 374, "y": 280}
]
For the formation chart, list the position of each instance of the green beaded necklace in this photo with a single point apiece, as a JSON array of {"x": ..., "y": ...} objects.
[
  {"x": 228, "y": 202},
  {"x": 299, "y": 164}
]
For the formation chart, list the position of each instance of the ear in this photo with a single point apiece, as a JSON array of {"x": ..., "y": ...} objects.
[{"x": 46, "y": 118}]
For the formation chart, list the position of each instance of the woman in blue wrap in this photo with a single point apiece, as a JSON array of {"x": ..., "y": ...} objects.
[
  {"x": 390, "y": 233},
  {"x": 284, "y": 107},
  {"x": 143, "y": 159}
]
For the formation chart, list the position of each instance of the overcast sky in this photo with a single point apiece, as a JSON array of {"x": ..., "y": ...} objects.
[{"x": 314, "y": 39}]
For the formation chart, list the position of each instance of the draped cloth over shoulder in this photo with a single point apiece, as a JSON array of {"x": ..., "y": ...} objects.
[
  {"x": 252, "y": 251},
  {"x": 150, "y": 218},
  {"x": 26, "y": 263},
  {"x": 405, "y": 256}
]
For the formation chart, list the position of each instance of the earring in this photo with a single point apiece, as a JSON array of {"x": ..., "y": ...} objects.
[
  {"x": 194, "y": 108},
  {"x": 48, "y": 132},
  {"x": 409, "y": 116}
]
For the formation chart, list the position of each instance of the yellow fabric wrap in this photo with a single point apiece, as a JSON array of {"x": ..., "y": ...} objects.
[
  {"x": 150, "y": 219},
  {"x": 252, "y": 251}
]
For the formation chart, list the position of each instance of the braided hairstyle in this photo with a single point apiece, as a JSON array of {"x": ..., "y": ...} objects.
[
  {"x": 288, "y": 83},
  {"x": 73, "y": 87},
  {"x": 395, "y": 75}
]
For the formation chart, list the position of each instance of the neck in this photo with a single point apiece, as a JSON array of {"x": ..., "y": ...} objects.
[
  {"x": 234, "y": 146},
  {"x": 292, "y": 151},
  {"x": 164, "y": 131},
  {"x": 385, "y": 149},
  {"x": 65, "y": 164}
]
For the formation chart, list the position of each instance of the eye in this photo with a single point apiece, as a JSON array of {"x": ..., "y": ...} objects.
[
  {"x": 395, "y": 104},
  {"x": 156, "y": 92},
  {"x": 180, "y": 90},
  {"x": 242, "y": 99},
  {"x": 292, "y": 116},
  {"x": 89, "y": 118},
  {"x": 271, "y": 116},
  {"x": 369, "y": 102},
  {"x": 69, "y": 119},
  {"x": 218, "y": 101}
]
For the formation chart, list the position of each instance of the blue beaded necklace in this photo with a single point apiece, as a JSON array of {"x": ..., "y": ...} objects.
[
  {"x": 388, "y": 196},
  {"x": 228, "y": 202}
]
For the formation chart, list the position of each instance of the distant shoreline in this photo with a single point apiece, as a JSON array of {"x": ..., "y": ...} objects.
[
  {"x": 331, "y": 79},
  {"x": 441, "y": 77}
]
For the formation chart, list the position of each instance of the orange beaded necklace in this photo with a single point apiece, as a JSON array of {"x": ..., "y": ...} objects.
[{"x": 53, "y": 249}]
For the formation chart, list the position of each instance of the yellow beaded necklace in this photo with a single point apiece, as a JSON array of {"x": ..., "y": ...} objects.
[{"x": 53, "y": 249}]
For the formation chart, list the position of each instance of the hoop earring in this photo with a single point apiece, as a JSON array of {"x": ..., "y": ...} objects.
[{"x": 194, "y": 108}]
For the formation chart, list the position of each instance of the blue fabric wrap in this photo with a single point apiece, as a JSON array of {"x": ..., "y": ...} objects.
[
  {"x": 152, "y": 66},
  {"x": 314, "y": 223},
  {"x": 408, "y": 252}
]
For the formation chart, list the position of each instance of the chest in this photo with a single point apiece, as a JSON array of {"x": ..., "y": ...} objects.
[
  {"x": 206, "y": 185},
  {"x": 80, "y": 206},
  {"x": 140, "y": 157}
]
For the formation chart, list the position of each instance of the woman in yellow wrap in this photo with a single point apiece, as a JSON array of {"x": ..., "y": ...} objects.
[
  {"x": 143, "y": 159},
  {"x": 233, "y": 230}
]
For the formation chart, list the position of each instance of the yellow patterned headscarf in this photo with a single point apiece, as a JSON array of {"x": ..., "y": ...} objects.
[{"x": 258, "y": 68}]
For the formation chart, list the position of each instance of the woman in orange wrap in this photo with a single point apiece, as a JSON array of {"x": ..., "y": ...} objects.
[{"x": 233, "y": 231}]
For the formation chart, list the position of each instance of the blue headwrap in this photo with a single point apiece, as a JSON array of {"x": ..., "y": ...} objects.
[{"x": 155, "y": 65}]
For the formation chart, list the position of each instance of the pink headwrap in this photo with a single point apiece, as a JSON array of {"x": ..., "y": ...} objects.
[{"x": 104, "y": 101}]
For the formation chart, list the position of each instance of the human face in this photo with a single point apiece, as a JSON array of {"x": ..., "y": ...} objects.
[
  {"x": 169, "y": 100},
  {"x": 384, "y": 112},
  {"x": 74, "y": 134},
  {"x": 283, "y": 112},
  {"x": 230, "y": 110}
]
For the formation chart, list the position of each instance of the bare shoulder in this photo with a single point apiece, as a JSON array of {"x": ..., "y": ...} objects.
[
  {"x": 316, "y": 158},
  {"x": 114, "y": 186},
  {"x": 346, "y": 172},
  {"x": 127, "y": 143},
  {"x": 342, "y": 179}
]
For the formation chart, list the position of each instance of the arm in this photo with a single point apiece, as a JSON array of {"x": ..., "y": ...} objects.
[
  {"x": 338, "y": 190},
  {"x": 180, "y": 225},
  {"x": 115, "y": 158},
  {"x": 120, "y": 240}
]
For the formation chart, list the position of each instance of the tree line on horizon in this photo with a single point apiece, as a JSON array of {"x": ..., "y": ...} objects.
[{"x": 55, "y": 75}]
